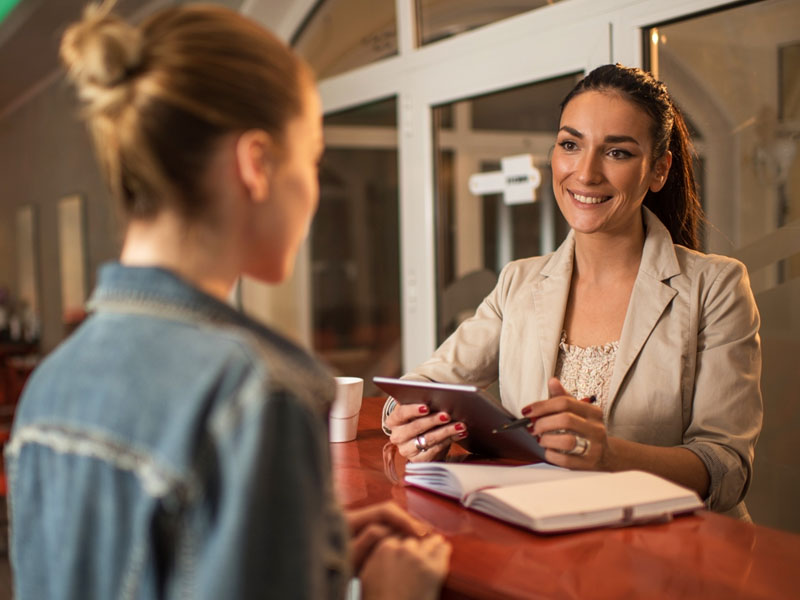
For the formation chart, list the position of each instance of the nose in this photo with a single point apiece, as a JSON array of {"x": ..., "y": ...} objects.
[{"x": 588, "y": 168}]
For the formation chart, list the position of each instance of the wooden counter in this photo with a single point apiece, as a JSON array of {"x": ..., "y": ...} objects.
[{"x": 698, "y": 556}]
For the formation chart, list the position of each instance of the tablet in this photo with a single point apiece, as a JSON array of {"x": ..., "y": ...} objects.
[{"x": 474, "y": 407}]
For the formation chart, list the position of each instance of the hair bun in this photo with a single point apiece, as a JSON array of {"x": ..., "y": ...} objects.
[{"x": 101, "y": 50}]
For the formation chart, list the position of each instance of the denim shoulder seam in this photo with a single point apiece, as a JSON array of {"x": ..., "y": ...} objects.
[
  {"x": 147, "y": 305},
  {"x": 283, "y": 374},
  {"x": 307, "y": 387},
  {"x": 156, "y": 480}
]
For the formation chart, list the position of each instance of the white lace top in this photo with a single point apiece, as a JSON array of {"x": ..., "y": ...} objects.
[{"x": 586, "y": 371}]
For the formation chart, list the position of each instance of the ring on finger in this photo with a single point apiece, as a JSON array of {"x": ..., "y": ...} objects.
[
  {"x": 420, "y": 443},
  {"x": 581, "y": 447}
]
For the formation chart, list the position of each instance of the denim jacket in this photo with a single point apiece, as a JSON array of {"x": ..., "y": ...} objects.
[{"x": 173, "y": 448}]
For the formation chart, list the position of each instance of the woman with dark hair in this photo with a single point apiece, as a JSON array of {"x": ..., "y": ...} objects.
[
  {"x": 626, "y": 310},
  {"x": 172, "y": 447}
]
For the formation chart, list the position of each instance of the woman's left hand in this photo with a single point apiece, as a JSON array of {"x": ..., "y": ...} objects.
[{"x": 571, "y": 431}]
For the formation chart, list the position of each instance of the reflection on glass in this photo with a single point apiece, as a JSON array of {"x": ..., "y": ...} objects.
[
  {"x": 440, "y": 19},
  {"x": 341, "y": 35},
  {"x": 477, "y": 236},
  {"x": 27, "y": 259},
  {"x": 21, "y": 322},
  {"x": 72, "y": 254},
  {"x": 736, "y": 73},
  {"x": 355, "y": 248}
]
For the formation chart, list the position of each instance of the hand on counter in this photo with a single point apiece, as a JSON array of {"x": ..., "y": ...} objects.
[{"x": 396, "y": 556}]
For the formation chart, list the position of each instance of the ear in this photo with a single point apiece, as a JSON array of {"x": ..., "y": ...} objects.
[
  {"x": 660, "y": 171},
  {"x": 255, "y": 156}
]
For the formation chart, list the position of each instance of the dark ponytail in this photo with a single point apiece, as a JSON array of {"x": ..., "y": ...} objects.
[{"x": 677, "y": 204}]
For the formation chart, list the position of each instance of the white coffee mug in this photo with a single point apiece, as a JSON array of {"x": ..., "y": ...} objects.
[{"x": 343, "y": 418}]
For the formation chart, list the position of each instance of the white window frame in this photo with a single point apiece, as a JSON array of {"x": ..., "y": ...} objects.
[{"x": 576, "y": 35}]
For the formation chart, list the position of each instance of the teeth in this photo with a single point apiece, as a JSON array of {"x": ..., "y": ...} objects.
[{"x": 590, "y": 199}]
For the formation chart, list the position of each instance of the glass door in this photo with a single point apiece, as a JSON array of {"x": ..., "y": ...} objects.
[
  {"x": 355, "y": 248},
  {"x": 478, "y": 234},
  {"x": 736, "y": 74},
  {"x": 482, "y": 96}
]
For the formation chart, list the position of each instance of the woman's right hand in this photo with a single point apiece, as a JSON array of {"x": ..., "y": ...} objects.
[{"x": 420, "y": 436}]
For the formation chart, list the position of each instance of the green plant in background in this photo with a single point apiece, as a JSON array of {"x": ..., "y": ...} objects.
[{"x": 6, "y": 6}]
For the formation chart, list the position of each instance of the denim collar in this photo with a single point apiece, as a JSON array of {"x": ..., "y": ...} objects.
[
  {"x": 117, "y": 283},
  {"x": 161, "y": 291}
]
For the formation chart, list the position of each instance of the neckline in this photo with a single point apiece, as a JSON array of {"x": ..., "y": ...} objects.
[{"x": 604, "y": 348}]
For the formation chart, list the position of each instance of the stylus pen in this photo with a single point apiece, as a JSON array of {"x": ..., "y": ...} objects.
[{"x": 525, "y": 421}]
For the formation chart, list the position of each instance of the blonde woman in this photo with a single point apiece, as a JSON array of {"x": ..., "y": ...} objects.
[{"x": 172, "y": 447}]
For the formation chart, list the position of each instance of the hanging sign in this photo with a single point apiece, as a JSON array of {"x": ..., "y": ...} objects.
[{"x": 517, "y": 180}]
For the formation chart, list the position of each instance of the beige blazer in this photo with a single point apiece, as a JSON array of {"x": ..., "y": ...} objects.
[{"x": 688, "y": 367}]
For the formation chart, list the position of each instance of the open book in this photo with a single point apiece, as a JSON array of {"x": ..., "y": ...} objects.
[{"x": 546, "y": 498}]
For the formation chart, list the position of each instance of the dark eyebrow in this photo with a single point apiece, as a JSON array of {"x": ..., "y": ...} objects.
[
  {"x": 610, "y": 139},
  {"x": 619, "y": 139},
  {"x": 572, "y": 131}
]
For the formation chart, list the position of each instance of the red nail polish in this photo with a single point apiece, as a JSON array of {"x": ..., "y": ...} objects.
[
  {"x": 423, "y": 409},
  {"x": 459, "y": 427},
  {"x": 444, "y": 418},
  {"x": 526, "y": 410}
]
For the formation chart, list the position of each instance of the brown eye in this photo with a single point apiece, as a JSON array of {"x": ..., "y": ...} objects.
[{"x": 619, "y": 154}]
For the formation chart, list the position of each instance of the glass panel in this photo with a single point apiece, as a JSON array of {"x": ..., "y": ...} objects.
[
  {"x": 478, "y": 235},
  {"x": 380, "y": 114},
  {"x": 72, "y": 254},
  {"x": 355, "y": 245},
  {"x": 737, "y": 75},
  {"x": 440, "y": 19},
  {"x": 27, "y": 271},
  {"x": 341, "y": 35}
]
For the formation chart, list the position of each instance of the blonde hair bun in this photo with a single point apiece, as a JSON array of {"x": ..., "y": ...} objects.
[
  {"x": 100, "y": 52},
  {"x": 159, "y": 96}
]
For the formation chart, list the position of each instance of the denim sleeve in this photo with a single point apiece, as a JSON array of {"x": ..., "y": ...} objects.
[{"x": 267, "y": 525}]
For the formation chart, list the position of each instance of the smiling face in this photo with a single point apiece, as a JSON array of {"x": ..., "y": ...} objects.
[{"x": 603, "y": 163}]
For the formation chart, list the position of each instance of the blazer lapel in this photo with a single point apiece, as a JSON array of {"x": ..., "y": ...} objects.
[
  {"x": 550, "y": 294},
  {"x": 650, "y": 297}
]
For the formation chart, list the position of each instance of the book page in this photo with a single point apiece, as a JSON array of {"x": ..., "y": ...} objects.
[{"x": 459, "y": 480}]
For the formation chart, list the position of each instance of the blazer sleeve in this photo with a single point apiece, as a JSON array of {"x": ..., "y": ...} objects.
[{"x": 727, "y": 407}]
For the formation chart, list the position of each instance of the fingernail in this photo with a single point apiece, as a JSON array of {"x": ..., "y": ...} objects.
[
  {"x": 526, "y": 410},
  {"x": 459, "y": 427},
  {"x": 444, "y": 417},
  {"x": 529, "y": 427},
  {"x": 423, "y": 409}
]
